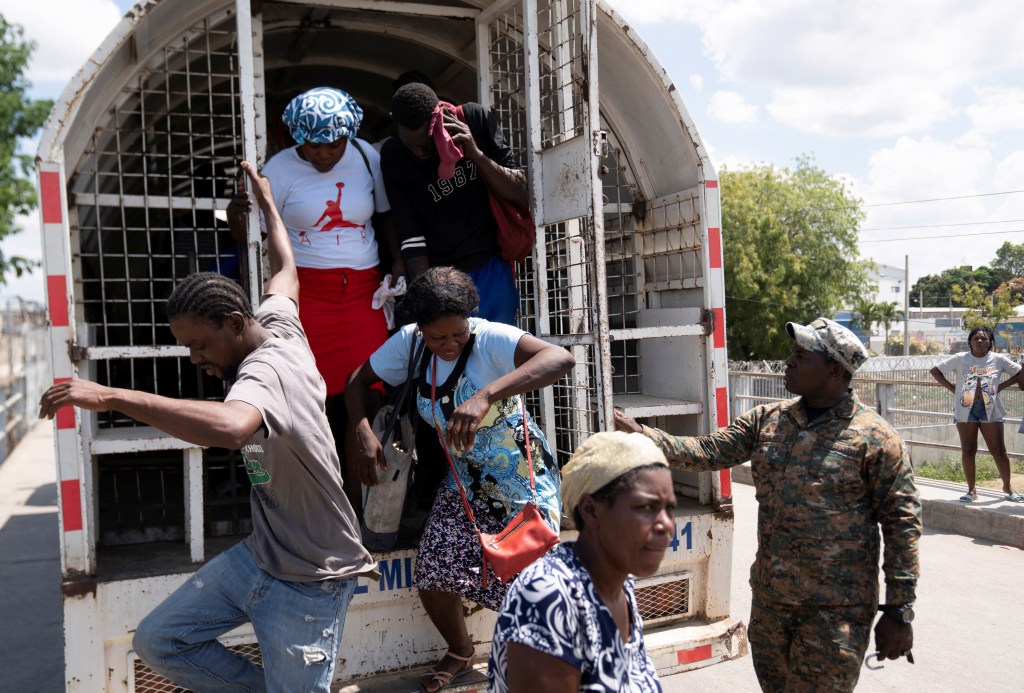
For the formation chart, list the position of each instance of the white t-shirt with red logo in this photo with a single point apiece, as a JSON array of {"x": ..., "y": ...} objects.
[{"x": 328, "y": 215}]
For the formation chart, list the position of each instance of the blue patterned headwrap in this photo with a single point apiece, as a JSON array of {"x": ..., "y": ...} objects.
[{"x": 322, "y": 115}]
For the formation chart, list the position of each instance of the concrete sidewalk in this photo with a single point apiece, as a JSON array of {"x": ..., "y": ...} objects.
[
  {"x": 32, "y": 641},
  {"x": 991, "y": 517}
]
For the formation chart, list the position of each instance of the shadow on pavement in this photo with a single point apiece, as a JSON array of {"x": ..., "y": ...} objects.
[{"x": 31, "y": 637}]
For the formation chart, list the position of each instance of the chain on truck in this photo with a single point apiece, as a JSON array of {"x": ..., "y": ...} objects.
[{"x": 626, "y": 273}]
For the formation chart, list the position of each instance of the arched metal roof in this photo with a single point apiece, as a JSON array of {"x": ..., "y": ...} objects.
[{"x": 362, "y": 50}]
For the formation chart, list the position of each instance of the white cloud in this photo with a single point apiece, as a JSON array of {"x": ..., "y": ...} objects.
[
  {"x": 910, "y": 56},
  {"x": 731, "y": 107},
  {"x": 652, "y": 11},
  {"x": 924, "y": 169},
  {"x": 998, "y": 110},
  {"x": 1009, "y": 172},
  {"x": 879, "y": 110},
  {"x": 66, "y": 32},
  {"x": 957, "y": 227},
  {"x": 696, "y": 81}
]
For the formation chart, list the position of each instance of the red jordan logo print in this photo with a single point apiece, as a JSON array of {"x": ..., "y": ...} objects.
[{"x": 334, "y": 215}]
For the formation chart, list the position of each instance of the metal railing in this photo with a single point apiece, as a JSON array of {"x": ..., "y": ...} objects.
[
  {"x": 899, "y": 388},
  {"x": 24, "y": 369}
]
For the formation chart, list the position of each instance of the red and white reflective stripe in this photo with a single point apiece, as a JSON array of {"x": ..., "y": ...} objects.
[
  {"x": 56, "y": 263},
  {"x": 722, "y": 403},
  {"x": 57, "y": 299},
  {"x": 71, "y": 505},
  {"x": 66, "y": 415},
  {"x": 715, "y": 247},
  {"x": 715, "y": 284},
  {"x": 696, "y": 654},
  {"x": 49, "y": 197}
]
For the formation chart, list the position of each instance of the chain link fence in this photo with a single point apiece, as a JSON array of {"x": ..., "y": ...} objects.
[
  {"x": 24, "y": 369},
  {"x": 900, "y": 388}
]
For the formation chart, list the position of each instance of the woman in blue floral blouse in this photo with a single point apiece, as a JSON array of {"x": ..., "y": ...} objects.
[{"x": 570, "y": 621}]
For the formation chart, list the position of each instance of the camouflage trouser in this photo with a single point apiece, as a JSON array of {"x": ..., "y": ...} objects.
[{"x": 808, "y": 648}]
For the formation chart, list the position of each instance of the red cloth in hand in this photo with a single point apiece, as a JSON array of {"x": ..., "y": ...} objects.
[{"x": 447, "y": 149}]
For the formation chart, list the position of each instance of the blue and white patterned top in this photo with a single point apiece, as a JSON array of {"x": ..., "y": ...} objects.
[
  {"x": 494, "y": 471},
  {"x": 553, "y": 607}
]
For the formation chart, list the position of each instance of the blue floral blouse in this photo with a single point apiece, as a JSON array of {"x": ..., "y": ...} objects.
[{"x": 553, "y": 607}]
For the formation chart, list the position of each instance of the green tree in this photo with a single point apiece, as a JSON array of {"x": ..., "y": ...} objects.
[
  {"x": 937, "y": 289},
  {"x": 1010, "y": 258},
  {"x": 20, "y": 117},
  {"x": 984, "y": 310},
  {"x": 790, "y": 244},
  {"x": 868, "y": 314},
  {"x": 1013, "y": 289}
]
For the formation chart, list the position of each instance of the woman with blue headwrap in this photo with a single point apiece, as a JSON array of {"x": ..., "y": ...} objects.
[{"x": 328, "y": 188}]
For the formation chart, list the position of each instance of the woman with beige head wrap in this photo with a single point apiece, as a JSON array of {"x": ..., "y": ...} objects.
[{"x": 570, "y": 620}]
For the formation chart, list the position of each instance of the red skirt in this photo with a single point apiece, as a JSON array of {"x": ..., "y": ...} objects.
[{"x": 342, "y": 327}]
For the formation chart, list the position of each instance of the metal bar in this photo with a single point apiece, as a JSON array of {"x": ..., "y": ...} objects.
[
  {"x": 657, "y": 332},
  {"x": 112, "y": 441},
  {"x": 956, "y": 448},
  {"x": 500, "y": 7},
  {"x": 591, "y": 129},
  {"x": 865, "y": 378},
  {"x": 111, "y": 353},
  {"x": 193, "y": 480},
  {"x": 247, "y": 77},
  {"x": 391, "y": 6}
]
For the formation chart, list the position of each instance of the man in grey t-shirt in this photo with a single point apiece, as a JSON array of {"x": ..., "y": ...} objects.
[{"x": 295, "y": 575}]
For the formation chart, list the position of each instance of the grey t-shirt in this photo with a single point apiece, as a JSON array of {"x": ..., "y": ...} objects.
[
  {"x": 304, "y": 528},
  {"x": 972, "y": 371}
]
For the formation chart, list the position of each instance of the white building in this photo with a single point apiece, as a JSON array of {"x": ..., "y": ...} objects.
[
  {"x": 939, "y": 325},
  {"x": 890, "y": 284}
]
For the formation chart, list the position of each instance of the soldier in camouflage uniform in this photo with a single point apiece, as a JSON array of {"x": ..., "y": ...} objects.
[{"x": 828, "y": 471}]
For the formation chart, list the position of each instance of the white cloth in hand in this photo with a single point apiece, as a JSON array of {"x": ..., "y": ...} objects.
[{"x": 384, "y": 298}]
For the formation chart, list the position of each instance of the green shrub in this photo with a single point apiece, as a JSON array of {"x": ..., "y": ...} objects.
[{"x": 949, "y": 468}]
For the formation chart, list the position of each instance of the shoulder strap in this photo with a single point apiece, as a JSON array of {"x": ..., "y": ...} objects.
[
  {"x": 416, "y": 354},
  {"x": 366, "y": 160},
  {"x": 457, "y": 370}
]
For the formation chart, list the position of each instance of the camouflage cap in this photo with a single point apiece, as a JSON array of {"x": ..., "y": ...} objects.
[{"x": 829, "y": 338}]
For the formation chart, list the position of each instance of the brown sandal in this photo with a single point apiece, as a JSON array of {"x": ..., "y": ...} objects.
[{"x": 440, "y": 680}]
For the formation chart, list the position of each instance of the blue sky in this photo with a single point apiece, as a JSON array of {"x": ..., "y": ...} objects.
[{"x": 905, "y": 100}]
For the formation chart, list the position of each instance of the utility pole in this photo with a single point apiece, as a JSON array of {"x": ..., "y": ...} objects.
[{"x": 906, "y": 305}]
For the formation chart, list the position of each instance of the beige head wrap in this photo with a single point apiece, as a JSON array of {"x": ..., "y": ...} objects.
[{"x": 602, "y": 458}]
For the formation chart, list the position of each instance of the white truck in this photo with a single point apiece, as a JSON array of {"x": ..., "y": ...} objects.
[{"x": 626, "y": 272}]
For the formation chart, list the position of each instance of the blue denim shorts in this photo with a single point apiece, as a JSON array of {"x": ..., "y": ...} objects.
[{"x": 978, "y": 414}]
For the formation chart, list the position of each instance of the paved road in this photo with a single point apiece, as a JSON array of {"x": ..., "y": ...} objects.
[{"x": 969, "y": 632}]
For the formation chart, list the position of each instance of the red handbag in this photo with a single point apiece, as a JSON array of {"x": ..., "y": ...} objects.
[
  {"x": 516, "y": 230},
  {"x": 525, "y": 538}
]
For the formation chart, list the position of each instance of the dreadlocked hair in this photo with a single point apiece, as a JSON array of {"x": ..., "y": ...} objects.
[
  {"x": 412, "y": 105},
  {"x": 438, "y": 292},
  {"x": 208, "y": 296}
]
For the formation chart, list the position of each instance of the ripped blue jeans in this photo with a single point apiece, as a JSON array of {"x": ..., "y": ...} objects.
[{"x": 298, "y": 626}]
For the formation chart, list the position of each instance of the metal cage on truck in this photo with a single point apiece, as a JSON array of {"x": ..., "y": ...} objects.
[{"x": 626, "y": 273}]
